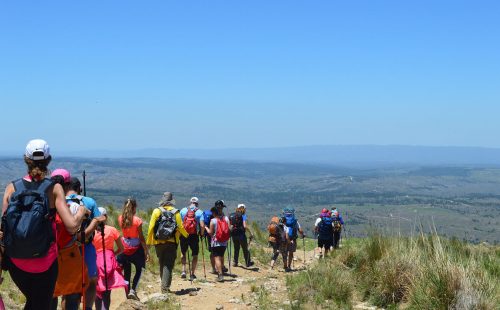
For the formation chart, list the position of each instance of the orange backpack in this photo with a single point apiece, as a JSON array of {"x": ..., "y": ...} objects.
[{"x": 273, "y": 226}]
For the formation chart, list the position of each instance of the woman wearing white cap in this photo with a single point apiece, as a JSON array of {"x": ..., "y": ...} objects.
[{"x": 32, "y": 259}]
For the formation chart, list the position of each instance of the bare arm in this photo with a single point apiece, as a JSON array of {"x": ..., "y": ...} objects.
[
  {"x": 210, "y": 229},
  {"x": 143, "y": 242},
  {"x": 119, "y": 244},
  {"x": 6, "y": 196},
  {"x": 58, "y": 201},
  {"x": 93, "y": 225}
]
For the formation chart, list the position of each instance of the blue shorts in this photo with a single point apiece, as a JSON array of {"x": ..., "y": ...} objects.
[{"x": 91, "y": 260}]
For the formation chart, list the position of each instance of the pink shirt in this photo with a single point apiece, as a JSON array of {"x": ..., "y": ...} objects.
[{"x": 39, "y": 264}]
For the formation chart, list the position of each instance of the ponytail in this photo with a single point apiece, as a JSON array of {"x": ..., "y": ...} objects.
[{"x": 128, "y": 212}]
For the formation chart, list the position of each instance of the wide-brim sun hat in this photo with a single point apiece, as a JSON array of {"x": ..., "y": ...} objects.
[{"x": 167, "y": 199}]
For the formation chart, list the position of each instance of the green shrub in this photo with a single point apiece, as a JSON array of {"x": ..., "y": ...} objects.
[{"x": 324, "y": 281}]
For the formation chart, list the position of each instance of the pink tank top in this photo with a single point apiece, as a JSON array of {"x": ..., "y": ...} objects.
[{"x": 39, "y": 264}]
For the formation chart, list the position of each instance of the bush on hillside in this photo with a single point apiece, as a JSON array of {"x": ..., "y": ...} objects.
[{"x": 424, "y": 272}]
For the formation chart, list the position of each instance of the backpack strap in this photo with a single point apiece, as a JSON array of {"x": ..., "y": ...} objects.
[
  {"x": 46, "y": 184},
  {"x": 18, "y": 185}
]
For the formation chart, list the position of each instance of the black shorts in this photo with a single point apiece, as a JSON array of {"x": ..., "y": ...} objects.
[
  {"x": 326, "y": 243},
  {"x": 218, "y": 251},
  {"x": 193, "y": 242}
]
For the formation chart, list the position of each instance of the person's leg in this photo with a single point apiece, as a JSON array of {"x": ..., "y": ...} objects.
[
  {"x": 236, "y": 243},
  {"x": 138, "y": 259},
  {"x": 246, "y": 253},
  {"x": 171, "y": 255},
  {"x": 72, "y": 301},
  {"x": 195, "y": 249},
  {"x": 159, "y": 254},
  {"x": 184, "y": 247},
  {"x": 336, "y": 238},
  {"x": 98, "y": 303},
  {"x": 167, "y": 254},
  {"x": 124, "y": 261},
  {"x": 275, "y": 255},
  {"x": 55, "y": 301},
  {"x": 37, "y": 287},
  {"x": 106, "y": 300},
  {"x": 91, "y": 262}
]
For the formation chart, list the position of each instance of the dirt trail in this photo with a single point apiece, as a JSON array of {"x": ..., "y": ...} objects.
[{"x": 239, "y": 291}]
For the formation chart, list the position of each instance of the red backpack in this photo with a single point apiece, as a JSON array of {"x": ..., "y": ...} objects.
[
  {"x": 190, "y": 221},
  {"x": 222, "y": 233}
]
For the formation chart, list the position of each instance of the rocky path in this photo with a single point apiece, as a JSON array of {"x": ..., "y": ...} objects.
[{"x": 246, "y": 288}]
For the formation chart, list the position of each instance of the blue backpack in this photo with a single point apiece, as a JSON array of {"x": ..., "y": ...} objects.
[
  {"x": 325, "y": 228},
  {"x": 27, "y": 222},
  {"x": 207, "y": 216},
  {"x": 291, "y": 223}
]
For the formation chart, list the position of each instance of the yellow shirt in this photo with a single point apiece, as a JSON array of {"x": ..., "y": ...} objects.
[{"x": 150, "y": 240}]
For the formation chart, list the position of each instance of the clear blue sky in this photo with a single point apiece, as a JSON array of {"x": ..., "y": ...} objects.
[{"x": 211, "y": 74}]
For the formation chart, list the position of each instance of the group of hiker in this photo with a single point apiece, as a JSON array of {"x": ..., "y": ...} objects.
[
  {"x": 56, "y": 241},
  {"x": 285, "y": 230}
]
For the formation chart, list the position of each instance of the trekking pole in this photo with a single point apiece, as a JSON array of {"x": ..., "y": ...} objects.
[
  {"x": 304, "y": 246},
  {"x": 203, "y": 258},
  {"x": 84, "y": 175},
  {"x": 248, "y": 250},
  {"x": 104, "y": 258},
  {"x": 82, "y": 236},
  {"x": 84, "y": 185},
  {"x": 189, "y": 267},
  {"x": 229, "y": 255}
]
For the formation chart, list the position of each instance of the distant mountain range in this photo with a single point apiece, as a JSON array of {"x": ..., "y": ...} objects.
[{"x": 336, "y": 155}]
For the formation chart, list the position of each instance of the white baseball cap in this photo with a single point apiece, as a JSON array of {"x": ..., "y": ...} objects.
[
  {"x": 241, "y": 206},
  {"x": 194, "y": 199},
  {"x": 37, "y": 149},
  {"x": 103, "y": 211}
]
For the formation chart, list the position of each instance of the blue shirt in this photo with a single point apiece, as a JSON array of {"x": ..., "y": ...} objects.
[
  {"x": 198, "y": 215},
  {"x": 89, "y": 204}
]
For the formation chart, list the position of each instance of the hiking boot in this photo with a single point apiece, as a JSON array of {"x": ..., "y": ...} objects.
[
  {"x": 132, "y": 295},
  {"x": 250, "y": 264},
  {"x": 224, "y": 269},
  {"x": 192, "y": 277},
  {"x": 220, "y": 278},
  {"x": 183, "y": 275},
  {"x": 288, "y": 269}
]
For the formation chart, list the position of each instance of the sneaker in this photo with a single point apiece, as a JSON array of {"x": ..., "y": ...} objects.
[
  {"x": 220, "y": 278},
  {"x": 250, "y": 264},
  {"x": 192, "y": 277},
  {"x": 235, "y": 264},
  {"x": 224, "y": 269},
  {"x": 288, "y": 269},
  {"x": 183, "y": 275},
  {"x": 132, "y": 295}
]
